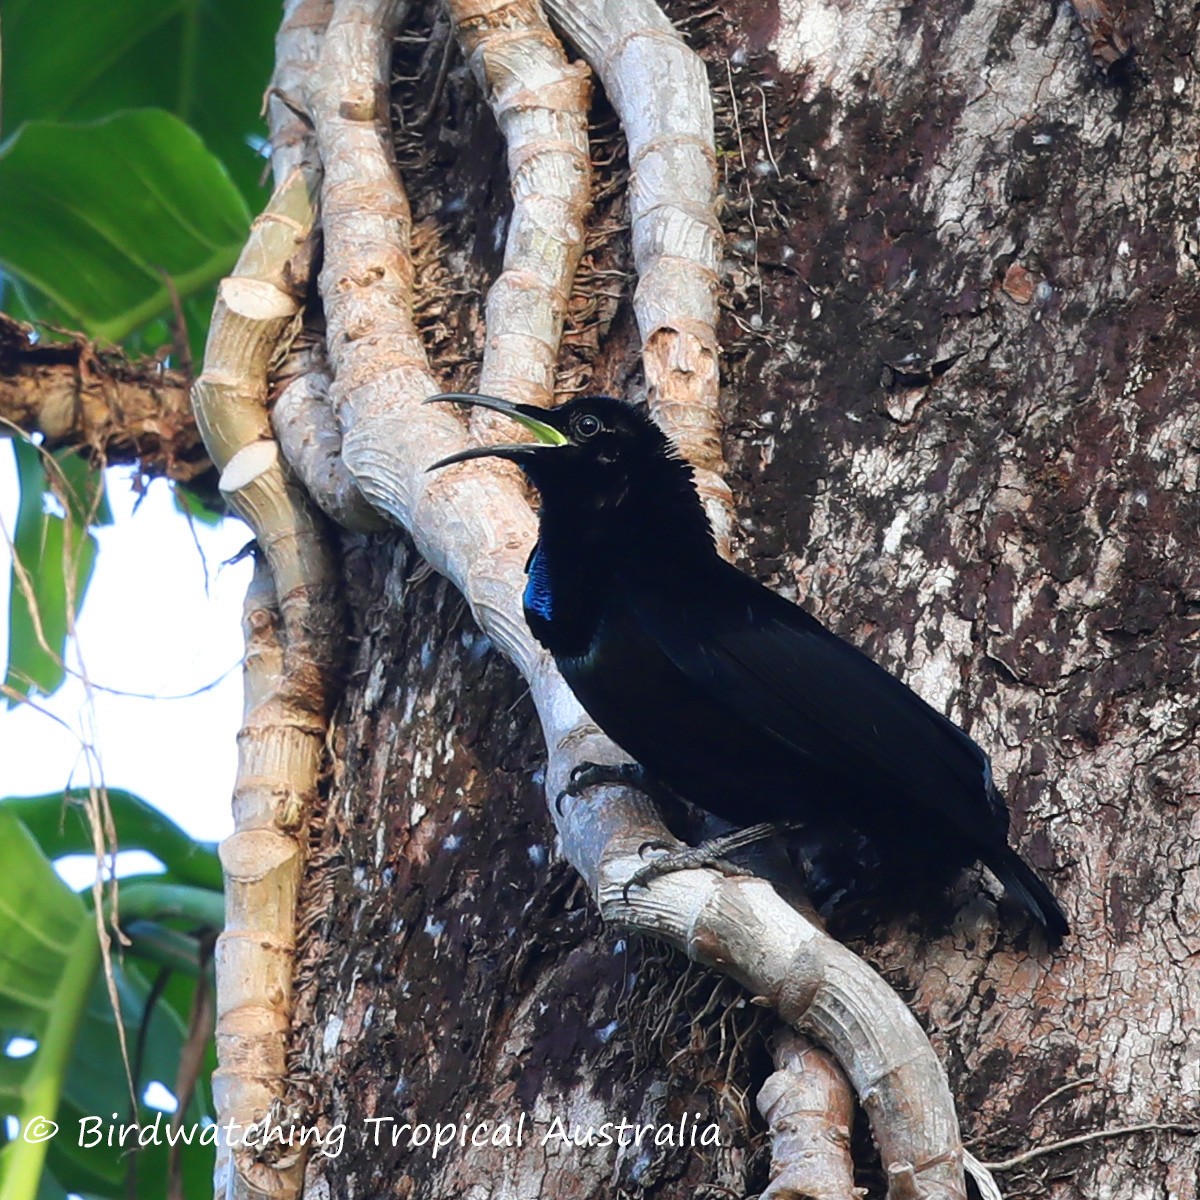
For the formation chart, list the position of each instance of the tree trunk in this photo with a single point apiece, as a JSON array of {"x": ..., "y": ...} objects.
[{"x": 959, "y": 340}]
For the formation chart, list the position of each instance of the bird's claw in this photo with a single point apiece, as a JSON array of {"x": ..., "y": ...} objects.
[
  {"x": 590, "y": 774},
  {"x": 707, "y": 854},
  {"x": 685, "y": 859},
  {"x": 653, "y": 844}
]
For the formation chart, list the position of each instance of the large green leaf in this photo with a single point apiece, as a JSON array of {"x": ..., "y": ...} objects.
[
  {"x": 206, "y": 61},
  {"x": 59, "y": 823},
  {"x": 95, "y": 1086},
  {"x": 78, "y": 486},
  {"x": 194, "y": 507},
  {"x": 52, "y": 564},
  {"x": 53, "y": 992},
  {"x": 48, "y": 957},
  {"x": 97, "y": 217}
]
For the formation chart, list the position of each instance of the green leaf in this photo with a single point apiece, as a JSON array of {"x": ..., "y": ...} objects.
[
  {"x": 48, "y": 958},
  {"x": 53, "y": 991},
  {"x": 79, "y": 487},
  {"x": 13, "y": 300},
  {"x": 59, "y": 823},
  {"x": 163, "y": 330},
  {"x": 206, "y": 61},
  {"x": 96, "y": 217},
  {"x": 52, "y": 564},
  {"x": 191, "y": 505},
  {"x": 95, "y": 1086},
  {"x": 157, "y": 945},
  {"x": 149, "y": 897}
]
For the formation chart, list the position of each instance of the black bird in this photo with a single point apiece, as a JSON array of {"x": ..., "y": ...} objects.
[{"x": 725, "y": 693}]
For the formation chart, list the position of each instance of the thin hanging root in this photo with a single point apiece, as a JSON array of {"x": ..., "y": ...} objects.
[
  {"x": 476, "y": 528},
  {"x": 1082, "y": 1139},
  {"x": 659, "y": 87},
  {"x": 541, "y": 104},
  {"x": 809, "y": 1111}
]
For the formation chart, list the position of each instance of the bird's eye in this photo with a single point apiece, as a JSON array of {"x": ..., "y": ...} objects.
[{"x": 587, "y": 426}]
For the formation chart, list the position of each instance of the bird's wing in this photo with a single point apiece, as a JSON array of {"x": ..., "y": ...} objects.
[{"x": 775, "y": 666}]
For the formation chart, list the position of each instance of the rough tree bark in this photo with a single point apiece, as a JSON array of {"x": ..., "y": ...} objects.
[
  {"x": 959, "y": 337},
  {"x": 960, "y": 324}
]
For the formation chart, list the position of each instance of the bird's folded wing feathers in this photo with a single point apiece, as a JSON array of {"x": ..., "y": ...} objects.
[{"x": 777, "y": 667}]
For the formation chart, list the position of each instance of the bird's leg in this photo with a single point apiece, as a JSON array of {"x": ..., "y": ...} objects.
[
  {"x": 708, "y": 854},
  {"x": 590, "y": 774}
]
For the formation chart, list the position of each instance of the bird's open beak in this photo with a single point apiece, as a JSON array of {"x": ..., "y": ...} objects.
[{"x": 536, "y": 420}]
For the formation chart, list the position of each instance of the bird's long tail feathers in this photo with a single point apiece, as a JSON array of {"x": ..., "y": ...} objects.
[{"x": 1023, "y": 885}]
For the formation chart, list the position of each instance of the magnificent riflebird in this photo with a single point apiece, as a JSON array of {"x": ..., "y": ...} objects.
[{"x": 729, "y": 695}]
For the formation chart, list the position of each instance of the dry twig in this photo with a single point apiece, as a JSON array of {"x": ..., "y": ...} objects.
[{"x": 1082, "y": 1139}]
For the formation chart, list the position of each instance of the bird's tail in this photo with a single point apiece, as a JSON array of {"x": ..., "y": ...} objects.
[{"x": 1023, "y": 885}]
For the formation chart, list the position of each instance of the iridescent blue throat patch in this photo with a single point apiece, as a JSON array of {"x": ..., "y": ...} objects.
[{"x": 538, "y": 598}]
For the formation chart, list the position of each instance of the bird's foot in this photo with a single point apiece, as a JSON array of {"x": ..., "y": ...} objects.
[
  {"x": 590, "y": 774},
  {"x": 708, "y": 854}
]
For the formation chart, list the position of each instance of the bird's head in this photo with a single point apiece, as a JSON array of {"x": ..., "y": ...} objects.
[
  {"x": 592, "y": 444},
  {"x": 606, "y": 473}
]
